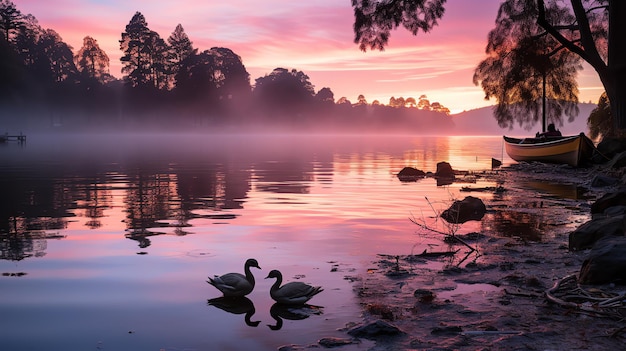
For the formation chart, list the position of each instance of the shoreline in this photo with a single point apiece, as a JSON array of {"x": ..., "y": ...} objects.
[{"x": 497, "y": 300}]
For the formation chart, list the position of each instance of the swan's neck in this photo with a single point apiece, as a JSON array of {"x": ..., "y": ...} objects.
[
  {"x": 249, "y": 276},
  {"x": 276, "y": 285}
]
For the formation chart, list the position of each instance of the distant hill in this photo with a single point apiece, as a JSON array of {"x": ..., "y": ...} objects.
[{"x": 481, "y": 122}]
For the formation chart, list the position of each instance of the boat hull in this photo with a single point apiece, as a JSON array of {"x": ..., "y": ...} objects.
[{"x": 571, "y": 150}]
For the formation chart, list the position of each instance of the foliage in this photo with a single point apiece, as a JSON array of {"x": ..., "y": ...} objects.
[
  {"x": 375, "y": 19},
  {"x": 521, "y": 57},
  {"x": 594, "y": 30},
  {"x": 42, "y": 83},
  {"x": 232, "y": 78},
  {"x": 92, "y": 61},
  {"x": 145, "y": 55},
  {"x": 11, "y": 19},
  {"x": 284, "y": 91},
  {"x": 180, "y": 47},
  {"x": 600, "y": 122}
]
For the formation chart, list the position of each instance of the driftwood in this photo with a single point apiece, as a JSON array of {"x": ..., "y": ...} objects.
[{"x": 568, "y": 293}]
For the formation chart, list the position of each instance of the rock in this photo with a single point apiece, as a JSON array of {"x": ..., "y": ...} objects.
[
  {"x": 618, "y": 161},
  {"x": 334, "y": 342},
  {"x": 600, "y": 181},
  {"x": 469, "y": 209},
  {"x": 424, "y": 295},
  {"x": 410, "y": 174},
  {"x": 617, "y": 198},
  {"x": 587, "y": 234},
  {"x": 451, "y": 330},
  {"x": 610, "y": 147},
  {"x": 606, "y": 262},
  {"x": 614, "y": 211},
  {"x": 375, "y": 330},
  {"x": 444, "y": 170}
]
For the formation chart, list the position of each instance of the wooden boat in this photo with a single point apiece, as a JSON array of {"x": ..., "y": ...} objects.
[{"x": 571, "y": 150}]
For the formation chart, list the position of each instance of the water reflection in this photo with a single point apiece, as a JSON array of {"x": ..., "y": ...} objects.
[
  {"x": 280, "y": 311},
  {"x": 558, "y": 190},
  {"x": 236, "y": 305}
]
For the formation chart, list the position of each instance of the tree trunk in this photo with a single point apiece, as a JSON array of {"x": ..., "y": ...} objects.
[{"x": 616, "y": 72}]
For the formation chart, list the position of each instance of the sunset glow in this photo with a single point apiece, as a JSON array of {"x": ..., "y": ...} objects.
[{"x": 314, "y": 37}]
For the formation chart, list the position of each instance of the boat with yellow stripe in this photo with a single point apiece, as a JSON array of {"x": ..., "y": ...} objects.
[{"x": 572, "y": 150}]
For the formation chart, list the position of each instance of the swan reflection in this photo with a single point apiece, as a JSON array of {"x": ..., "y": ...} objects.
[
  {"x": 236, "y": 305},
  {"x": 280, "y": 311}
]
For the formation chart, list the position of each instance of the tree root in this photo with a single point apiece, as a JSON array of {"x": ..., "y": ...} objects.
[{"x": 568, "y": 293}]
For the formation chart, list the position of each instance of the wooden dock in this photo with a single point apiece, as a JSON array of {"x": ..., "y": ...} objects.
[{"x": 21, "y": 138}]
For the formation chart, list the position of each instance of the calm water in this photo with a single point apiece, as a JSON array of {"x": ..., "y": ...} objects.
[{"x": 106, "y": 242}]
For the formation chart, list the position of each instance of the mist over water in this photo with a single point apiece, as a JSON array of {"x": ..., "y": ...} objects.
[{"x": 107, "y": 240}]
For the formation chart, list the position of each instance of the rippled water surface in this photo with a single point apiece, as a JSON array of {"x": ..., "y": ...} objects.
[{"x": 107, "y": 242}]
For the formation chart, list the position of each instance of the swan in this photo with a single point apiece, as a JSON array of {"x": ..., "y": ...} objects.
[
  {"x": 236, "y": 284},
  {"x": 294, "y": 293}
]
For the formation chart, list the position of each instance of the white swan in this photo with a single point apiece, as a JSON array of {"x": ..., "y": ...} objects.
[
  {"x": 236, "y": 284},
  {"x": 294, "y": 293}
]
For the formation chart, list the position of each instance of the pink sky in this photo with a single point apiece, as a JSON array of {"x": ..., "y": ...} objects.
[{"x": 315, "y": 37}]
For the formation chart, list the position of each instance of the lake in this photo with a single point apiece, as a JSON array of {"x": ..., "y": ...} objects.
[{"x": 107, "y": 241}]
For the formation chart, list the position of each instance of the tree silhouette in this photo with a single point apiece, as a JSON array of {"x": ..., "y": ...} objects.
[
  {"x": 600, "y": 122},
  {"x": 526, "y": 70},
  {"x": 196, "y": 78},
  {"x": 180, "y": 47},
  {"x": 232, "y": 78},
  {"x": 284, "y": 91},
  {"x": 325, "y": 95},
  {"x": 142, "y": 49},
  {"x": 11, "y": 19},
  {"x": 374, "y": 19},
  {"x": 596, "y": 35},
  {"x": 92, "y": 61}
]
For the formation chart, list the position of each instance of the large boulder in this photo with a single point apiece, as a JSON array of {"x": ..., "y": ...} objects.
[
  {"x": 618, "y": 161},
  {"x": 469, "y": 209},
  {"x": 585, "y": 236},
  {"x": 410, "y": 174},
  {"x": 444, "y": 170},
  {"x": 617, "y": 198},
  {"x": 610, "y": 147},
  {"x": 606, "y": 262}
]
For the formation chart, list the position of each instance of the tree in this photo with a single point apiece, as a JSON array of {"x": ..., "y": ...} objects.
[
  {"x": 600, "y": 122},
  {"x": 596, "y": 34},
  {"x": 423, "y": 103},
  {"x": 145, "y": 55},
  {"x": 438, "y": 107},
  {"x": 325, "y": 95},
  {"x": 283, "y": 90},
  {"x": 180, "y": 47},
  {"x": 11, "y": 19},
  {"x": 196, "y": 77},
  {"x": 92, "y": 62},
  {"x": 529, "y": 73},
  {"x": 374, "y": 19},
  {"x": 55, "y": 58},
  {"x": 411, "y": 102},
  {"x": 231, "y": 77},
  {"x": 361, "y": 100}
]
